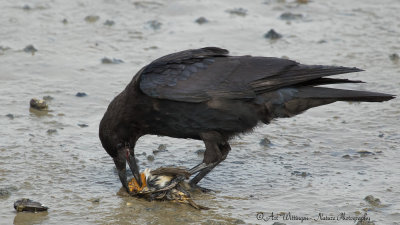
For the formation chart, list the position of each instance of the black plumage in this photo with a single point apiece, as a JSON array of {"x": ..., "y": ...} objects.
[{"x": 205, "y": 94}]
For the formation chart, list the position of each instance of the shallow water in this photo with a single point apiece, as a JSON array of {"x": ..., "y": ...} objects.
[{"x": 302, "y": 171}]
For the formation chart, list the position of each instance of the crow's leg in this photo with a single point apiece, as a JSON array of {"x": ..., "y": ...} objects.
[{"x": 217, "y": 150}]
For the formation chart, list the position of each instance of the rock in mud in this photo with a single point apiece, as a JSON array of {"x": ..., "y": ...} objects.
[
  {"x": 26, "y": 7},
  {"x": 272, "y": 35},
  {"x": 51, "y": 131},
  {"x": 81, "y": 94},
  {"x": 4, "y": 193},
  {"x": 47, "y": 98},
  {"x": 153, "y": 24},
  {"x": 10, "y": 116},
  {"x": 38, "y": 104},
  {"x": 200, "y": 152},
  {"x": 394, "y": 57},
  {"x": 161, "y": 148},
  {"x": 109, "y": 23},
  {"x": 150, "y": 158},
  {"x": 64, "y": 21},
  {"x": 290, "y": 16},
  {"x": 201, "y": 20},
  {"x": 82, "y": 125},
  {"x": 92, "y": 18},
  {"x": 30, "y": 49},
  {"x": 237, "y": 11},
  {"x": 301, "y": 174},
  {"x": 265, "y": 142},
  {"x": 373, "y": 201},
  {"x": 106, "y": 60},
  {"x": 28, "y": 205},
  {"x": 365, "y": 153}
]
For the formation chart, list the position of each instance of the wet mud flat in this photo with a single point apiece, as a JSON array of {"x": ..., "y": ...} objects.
[{"x": 78, "y": 55}]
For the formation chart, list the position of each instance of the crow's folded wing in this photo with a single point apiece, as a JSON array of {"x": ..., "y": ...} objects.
[{"x": 199, "y": 75}]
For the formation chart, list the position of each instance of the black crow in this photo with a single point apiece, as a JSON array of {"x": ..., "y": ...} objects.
[{"x": 207, "y": 95}]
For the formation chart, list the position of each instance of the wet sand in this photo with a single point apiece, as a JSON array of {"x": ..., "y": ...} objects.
[{"x": 326, "y": 160}]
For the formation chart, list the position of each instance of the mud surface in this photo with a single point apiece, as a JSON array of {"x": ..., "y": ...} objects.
[{"x": 314, "y": 163}]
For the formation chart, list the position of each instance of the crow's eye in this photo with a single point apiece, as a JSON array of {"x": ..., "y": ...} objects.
[{"x": 119, "y": 145}]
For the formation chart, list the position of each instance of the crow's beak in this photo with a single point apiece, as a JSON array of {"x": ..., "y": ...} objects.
[{"x": 134, "y": 167}]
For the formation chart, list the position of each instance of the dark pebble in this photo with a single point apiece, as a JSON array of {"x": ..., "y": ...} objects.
[
  {"x": 82, "y": 125},
  {"x": 200, "y": 152},
  {"x": 26, "y": 7},
  {"x": 346, "y": 157},
  {"x": 381, "y": 135},
  {"x": 154, "y": 24},
  {"x": 30, "y": 49},
  {"x": 92, "y": 18},
  {"x": 265, "y": 142},
  {"x": 150, "y": 158},
  {"x": 106, "y": 60},
  {"x": 109, "y": 23},
  {"x": 10, "y": 116},
  {"x": 29, "y": 205},
  {"x": 81, "y": 94},
  {"x": 279, "y": 223},
  {"x": 47, "y": 98},
  {"x": 237, "y": 11},
  {"x": 301, "y": 174},
  {"x": 64, "y": 21},
  {"x": 394, "y": 57},
  {"x": 51, "y": 131},
  {"x": 273, "y": 35},
  {"x": 4, "y": 193},
  {"x": 38, "y": 104},
  {"x": 95, "y": 200},
  {"x": 201, "y": 20},
  {"x": 290, "y": 16},
  {"x": 365, "y": 153},
  {"x": 372, "y": 200}
]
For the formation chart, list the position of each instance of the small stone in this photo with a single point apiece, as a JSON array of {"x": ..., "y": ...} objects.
[
  {"x": 30, "y": 49},
  {"x": 38, "y": 104},
  {"x": 92, "y": 18},
  {"x": 365, "y": 153},
  {"x": 273, "y": 35},
  {"x": 95, "y": 200},
  {"x": 373, "y": 201},
  {"x": 301, "y": 174},
  {"x": 154, "y": 24},
  {"x": 81, "y": 94},
  {"x": 109, "y": 23},
  {"x": 237, "y": 11},
  {"x": 161, "y": 148},
  {"x": 64, "y": 21},
  {"x": 26, "y": 7},
  {"x": 106, "y": 60},
  {"x": 51, "y": 131},
  {"x": 10, "y": 116},
  {"x": 346, "y": 157},
  {"x": 29, "y": 205},
  {"x": 381, "y": 135},
  {"x": 4, "y": 193},
  {"x": 150, "y": 158},
  {"x": 290, "y": 16},
  {"x": 364, "y": 222},
  {"x": 394, "y": 57},
  {"x": 47, "y": 98},
  {"x": 279, "y": 223},
  {"x": 302, "y": 1},
  {"x": 83, "y": 125},
  {"x": 265, "y": 142},
  {"x": 200, "y": 152},
  {"x": 201, "y": 20}
]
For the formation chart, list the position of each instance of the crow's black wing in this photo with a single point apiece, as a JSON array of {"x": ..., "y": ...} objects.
[{"x": 202, "y": 74}]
